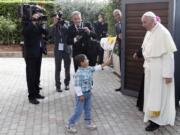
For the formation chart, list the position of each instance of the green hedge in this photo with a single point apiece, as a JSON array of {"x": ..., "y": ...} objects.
[
  {"x": 7, "y": 30},
  {"x": 8, "y": 13}
]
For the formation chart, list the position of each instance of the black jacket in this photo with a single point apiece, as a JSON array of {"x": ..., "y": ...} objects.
[
  {"x": 83, "y": 45},
  {"x": 101, "y": 29},
  {"x": 59, "y": 34},
  {"x": 32, "y": 38}
]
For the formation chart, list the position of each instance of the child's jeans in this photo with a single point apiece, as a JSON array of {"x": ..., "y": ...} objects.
[{"x": 79, "y": 107}]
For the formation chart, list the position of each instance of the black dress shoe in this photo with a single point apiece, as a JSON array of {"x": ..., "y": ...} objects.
[
  {"x": 58, "y": 90},
  {"x": 67, "y": 87},
  {"x": 39, "y": 96},
  {"x": 39, "y": 88},
  {"x": 119, "y": 89},
  {"x": 152, "y": 127},
  {"x": 33, "y": 101},
  {"x": 140, "y": 109}
]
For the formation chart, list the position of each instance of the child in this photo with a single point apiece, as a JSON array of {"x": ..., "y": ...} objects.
[{"x": 83, "y": 85}]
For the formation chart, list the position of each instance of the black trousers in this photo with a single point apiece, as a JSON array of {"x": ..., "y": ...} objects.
[
  {"x": 75, "y": 65},
  {"x": 59, "y": 56},
  {"x": 119, "y": 53},
  {"x": 140, "y": 100},
  {"x": 39, "y": 71},
  {"x": 32, "y": 76},
  {"x": 92, "y": 59},
  {"x": 101, "y": 55}
]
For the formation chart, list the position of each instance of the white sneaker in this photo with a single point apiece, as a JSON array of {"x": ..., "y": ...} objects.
[
  {"x": 91, "y": 126},
  {"x": 71, "y": 129}
]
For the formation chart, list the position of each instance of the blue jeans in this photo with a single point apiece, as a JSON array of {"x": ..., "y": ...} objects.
[{"x": 79, "y": 107}]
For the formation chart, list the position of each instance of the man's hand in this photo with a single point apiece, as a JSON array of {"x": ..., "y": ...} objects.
[
  {"x": 120, "y": 36},
  {"x": 86, "y": 29},
  {"x": 135, "y": 57},
  {"x": 44, "y": 51},
  {"x": 77, "y": 38},
  {"x": 168, "y": 80},
  {"x": 82, "y": 98},
  {"x": 36, "y": 16},
  {"x": 34, "y": 22}
]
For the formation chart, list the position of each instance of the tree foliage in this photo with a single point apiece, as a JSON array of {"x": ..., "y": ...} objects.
[
  {"x": 10, "y": 23},
  {"x": 9, "y": 26},
  {"x": 7, "y": 29}
]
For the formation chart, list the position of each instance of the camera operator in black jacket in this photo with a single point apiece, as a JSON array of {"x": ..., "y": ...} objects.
[
  {"x": 81, "y": 36},
  {"x": 34, "y": 46}
]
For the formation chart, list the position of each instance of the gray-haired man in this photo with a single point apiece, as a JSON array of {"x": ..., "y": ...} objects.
[{"x": 117, "y": 17}]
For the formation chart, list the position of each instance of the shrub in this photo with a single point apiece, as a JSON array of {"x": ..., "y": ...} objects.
[{"x": 7, "y": 30}]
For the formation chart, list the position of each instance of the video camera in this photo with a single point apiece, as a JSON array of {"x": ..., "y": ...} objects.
[{"x": 25, "y": 11}]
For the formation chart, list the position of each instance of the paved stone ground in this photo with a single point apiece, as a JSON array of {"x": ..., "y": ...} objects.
[{"x": 114, "y": 113}]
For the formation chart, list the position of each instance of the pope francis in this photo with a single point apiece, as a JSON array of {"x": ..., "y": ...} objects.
[{"x": 158, "y": 50}]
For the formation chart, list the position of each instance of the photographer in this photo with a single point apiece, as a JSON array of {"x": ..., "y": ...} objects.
[
  {"x": 33, "y": 49},
  {"x": 101, "y": 29},
  {"x": 80, "y": 36},
  {"x": 58, "y": 32}
]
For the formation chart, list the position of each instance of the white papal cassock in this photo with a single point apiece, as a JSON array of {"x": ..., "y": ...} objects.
[{"x": 159, "y": 98}]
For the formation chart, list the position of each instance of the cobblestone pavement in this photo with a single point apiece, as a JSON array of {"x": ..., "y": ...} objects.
[{"x": 114, "y": 113}]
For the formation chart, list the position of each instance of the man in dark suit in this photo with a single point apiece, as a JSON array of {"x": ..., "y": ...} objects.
[
  {"x": 58, "y": 32},
  {"x": 80, "y": 35},
  {"x": 33, "y": 48},
  {"x": 101, "y": 29},
  {"x": 117, "y": 17}
]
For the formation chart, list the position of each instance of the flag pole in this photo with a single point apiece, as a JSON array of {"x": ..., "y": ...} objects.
[{"x": 111, "y": 53}]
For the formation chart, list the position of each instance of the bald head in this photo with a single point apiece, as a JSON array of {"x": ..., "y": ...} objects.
[{"x": 148, "y": 20}]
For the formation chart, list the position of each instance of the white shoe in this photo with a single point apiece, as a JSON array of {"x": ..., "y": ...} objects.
[
  {"x": 71, "y": 129},
  {"x": 91, "y": 126}
]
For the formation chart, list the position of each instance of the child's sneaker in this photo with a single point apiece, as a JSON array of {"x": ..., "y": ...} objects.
[
  {"x": 91, "y": 126},
  {"x": 71, "y": 129}
]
